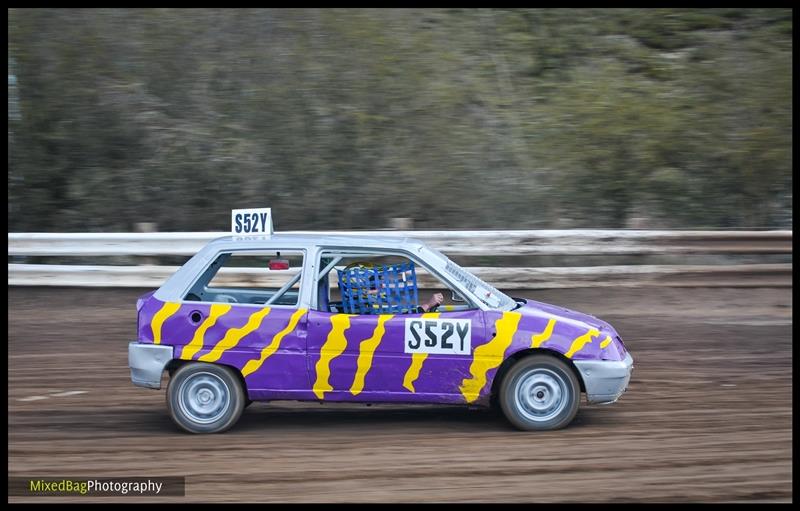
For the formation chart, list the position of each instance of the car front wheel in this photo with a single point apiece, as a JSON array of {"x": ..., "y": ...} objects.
[
  {"x": 540, "y": 392},
  {"x": 205, "y": 398}
]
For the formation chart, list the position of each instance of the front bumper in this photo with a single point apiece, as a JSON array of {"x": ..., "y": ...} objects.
[
  {"x": 605, "y": 380},
  {"x": 147, "y": 362}
]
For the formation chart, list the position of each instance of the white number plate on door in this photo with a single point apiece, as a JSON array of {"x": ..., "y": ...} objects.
[{"x": 438, "y": 336}]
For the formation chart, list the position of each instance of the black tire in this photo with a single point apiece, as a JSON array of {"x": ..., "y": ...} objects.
[
  {"x": 205, "y": 398},
  {"x": 540, "y": 393},
  {"x": 494, "y": 406}
]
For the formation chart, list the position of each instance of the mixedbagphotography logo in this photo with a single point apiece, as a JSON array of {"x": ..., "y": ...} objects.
[{"x": 106, "y": 486}]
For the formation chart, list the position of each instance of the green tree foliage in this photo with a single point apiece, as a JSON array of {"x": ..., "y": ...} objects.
[{"x": 346, "y": 118}]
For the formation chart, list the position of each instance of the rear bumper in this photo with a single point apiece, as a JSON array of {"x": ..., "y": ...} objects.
[
  {"x": 147, "y": 362},
  {"x": 605, "y": 380}
]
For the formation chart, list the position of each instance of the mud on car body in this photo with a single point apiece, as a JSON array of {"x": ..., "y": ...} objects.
[{"x": 228, "y": 337}]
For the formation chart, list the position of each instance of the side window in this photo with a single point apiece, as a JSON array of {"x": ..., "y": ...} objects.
[
  {"x": 251, "y": 277},
  {"x": 380, "y": 283}
]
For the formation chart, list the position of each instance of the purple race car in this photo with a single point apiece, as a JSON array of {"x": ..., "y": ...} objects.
[{"x": 337, "y": 318}]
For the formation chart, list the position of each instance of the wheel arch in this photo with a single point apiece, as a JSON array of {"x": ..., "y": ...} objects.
[
  {"x": 176, "y": 363},
  {"x": 509, "y": 362}
]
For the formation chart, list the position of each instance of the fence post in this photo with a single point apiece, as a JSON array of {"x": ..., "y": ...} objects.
[
  {"x": 401, "y": 224},
  {"x": 146, "y": 227}
]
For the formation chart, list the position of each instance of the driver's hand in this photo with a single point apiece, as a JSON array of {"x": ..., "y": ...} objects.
[{"x": 435, "y": 300}]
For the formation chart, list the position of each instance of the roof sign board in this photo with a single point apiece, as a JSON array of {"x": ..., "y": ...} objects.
[{"x": 257, "y": 221}]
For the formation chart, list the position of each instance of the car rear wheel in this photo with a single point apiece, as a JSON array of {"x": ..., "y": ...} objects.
[
  {"x": 540, "y": 392},
  {"x": 205, "y": 398}
]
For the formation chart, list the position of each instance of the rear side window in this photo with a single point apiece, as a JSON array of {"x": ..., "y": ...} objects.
[{"x": 251, "y": 277}]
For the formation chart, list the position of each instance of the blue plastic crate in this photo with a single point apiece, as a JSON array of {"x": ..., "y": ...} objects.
[{"x": 379, "y": 289}]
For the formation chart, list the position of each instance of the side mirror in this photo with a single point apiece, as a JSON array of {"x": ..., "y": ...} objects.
[{"x": 456, "y": 297}]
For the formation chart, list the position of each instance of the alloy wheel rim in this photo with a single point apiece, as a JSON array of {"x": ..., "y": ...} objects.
[
  {"x": 204, "y": 398},
  {"x": 541, "y": 394}
]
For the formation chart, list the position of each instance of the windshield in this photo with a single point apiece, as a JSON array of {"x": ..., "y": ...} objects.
[{"x": 482, "y": 291}]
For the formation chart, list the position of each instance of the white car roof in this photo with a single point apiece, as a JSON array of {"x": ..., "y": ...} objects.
[
  {"x": 310, "y": 240},
  {"x": 176, "y": 285}
]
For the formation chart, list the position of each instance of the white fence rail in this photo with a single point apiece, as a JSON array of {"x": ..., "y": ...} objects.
[
  {"x": 456, "y": 243},
  {"x": 745, "y": 275}
]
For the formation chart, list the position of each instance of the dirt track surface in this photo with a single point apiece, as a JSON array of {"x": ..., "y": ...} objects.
[{"x": 707, "y": 416}]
